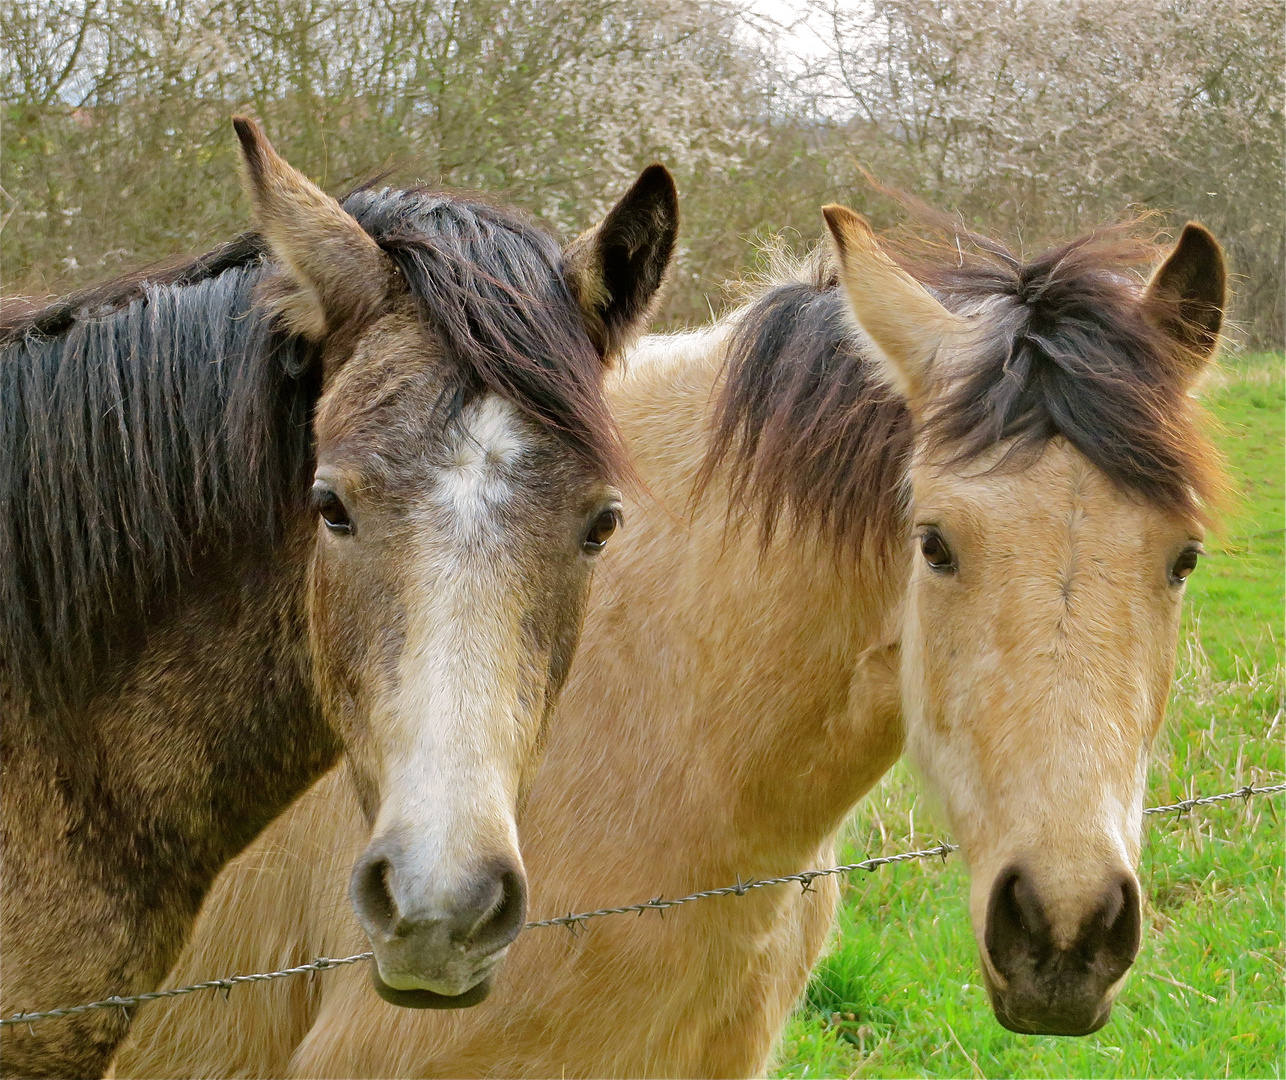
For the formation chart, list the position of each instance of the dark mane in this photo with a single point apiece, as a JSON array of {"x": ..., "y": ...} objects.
[
  {"x": 1067, "y": 351},
  {"x": 159, "y": 416},
  {"x": 20, "y": 319},
  {"x": 154, "y": 422},
  {"x": 809, "y": 430}
]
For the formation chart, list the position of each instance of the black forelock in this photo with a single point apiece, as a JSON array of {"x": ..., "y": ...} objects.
[
  {"x": 490, "y": 284},
  {"x": 1067, "y": 349}
]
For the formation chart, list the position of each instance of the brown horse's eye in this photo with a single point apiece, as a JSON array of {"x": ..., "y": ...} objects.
[
  {"x": 1184, "y": 565},
  {"x": 936, "y": 553},
  {"x": 331, "y": 509},
  {"x": 602, "y": 527}
]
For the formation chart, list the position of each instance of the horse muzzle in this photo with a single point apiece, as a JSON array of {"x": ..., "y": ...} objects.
[
  {"x": 1041, "y": 985},
  {"x": 437, "y": 949}
]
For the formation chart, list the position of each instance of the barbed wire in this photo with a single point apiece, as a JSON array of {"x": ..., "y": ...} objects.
[
  {"x": 1243, "y": 793},
  {"x": 573, "y": 921},
  {"x": 322, "y": 963},
  {"x": 804, "y": 878}
]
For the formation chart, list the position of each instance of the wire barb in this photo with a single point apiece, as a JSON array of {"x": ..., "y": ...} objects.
[{"x": 574, "y": 921}]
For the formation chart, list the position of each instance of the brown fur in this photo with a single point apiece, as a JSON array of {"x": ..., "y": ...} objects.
[
  {"x": 734, "y": 695},
  {"x": 186, "y": 644}
]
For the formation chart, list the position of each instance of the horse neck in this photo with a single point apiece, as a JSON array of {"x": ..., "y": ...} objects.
[
  {"x": 211, "y": 696},
  {"x": 717, "y": 700},
  {"x": 173, "y": 644}
]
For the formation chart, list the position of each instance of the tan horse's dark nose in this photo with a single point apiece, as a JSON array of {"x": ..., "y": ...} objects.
[{"x": 1053, "y": 989}]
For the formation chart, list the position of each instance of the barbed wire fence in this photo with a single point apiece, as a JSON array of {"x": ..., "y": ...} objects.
[{"x": 575, "y": 920}]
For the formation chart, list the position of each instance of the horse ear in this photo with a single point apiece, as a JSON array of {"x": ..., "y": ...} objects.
[
  {"x": 904, "y": 322},
  {"x": 616, "y": 268},
  {"x": 1187, "y": 294},
  {"x": 337, "y": 272}
]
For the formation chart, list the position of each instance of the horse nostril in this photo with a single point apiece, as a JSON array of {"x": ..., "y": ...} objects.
[
  {"x": 500, "y": 922},
  {"x": 1017, "y": 930},
  {"x": 1122, "y": 929},
  {"x": 372, "y": 897},
  {"x": 427, "y": 927}
]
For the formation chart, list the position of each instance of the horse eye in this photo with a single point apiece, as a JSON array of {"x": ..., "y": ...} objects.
[
  {"x": 602, "y": 527},
  {"x": 936, "y": 553},
  {"x": 331, "y": 509},
  {"x": 1184, "y": 565}
]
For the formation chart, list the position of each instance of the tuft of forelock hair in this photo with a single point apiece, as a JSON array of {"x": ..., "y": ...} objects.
[
  {"x": 490, "y": 285},
  {"x": 162, "y": 414},
  {"x": 1063, "y": 348},
  {"x": 810, "y": 433}
]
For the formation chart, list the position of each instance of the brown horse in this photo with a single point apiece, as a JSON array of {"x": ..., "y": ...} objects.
[
  {"x": 972, "y": 515},
  {"x": 191, "y": 635}
]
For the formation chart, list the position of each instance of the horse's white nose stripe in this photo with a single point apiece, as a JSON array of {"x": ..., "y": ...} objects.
[{"x": 455, "y": 732}]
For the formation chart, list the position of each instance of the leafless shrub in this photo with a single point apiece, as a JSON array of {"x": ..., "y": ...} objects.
[{"x": 1029, "y": 117}]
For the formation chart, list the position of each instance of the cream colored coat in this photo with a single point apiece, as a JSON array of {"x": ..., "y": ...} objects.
[{"x": 725, "y": 712}]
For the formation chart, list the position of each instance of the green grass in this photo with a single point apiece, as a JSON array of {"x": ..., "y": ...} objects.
[{"x": 899, "y": 994}]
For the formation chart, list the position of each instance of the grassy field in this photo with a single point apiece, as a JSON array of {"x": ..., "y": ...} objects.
[{"x": 900, "y": 993}]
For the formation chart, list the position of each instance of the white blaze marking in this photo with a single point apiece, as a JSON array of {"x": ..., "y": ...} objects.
[
  {"x": 473, "y": 483},
  {"x": 453, "y": 732}
]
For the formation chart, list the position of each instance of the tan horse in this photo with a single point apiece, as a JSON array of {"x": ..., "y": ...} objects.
[{"x": 975, "y": 512}]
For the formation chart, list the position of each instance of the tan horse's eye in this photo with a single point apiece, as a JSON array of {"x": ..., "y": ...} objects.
[
  {"x": 331, "y": 509},
  {"x": 936, "y": 553},
  {"x": 1184, "y": 565},
  {"x": 600, "y": 529}
]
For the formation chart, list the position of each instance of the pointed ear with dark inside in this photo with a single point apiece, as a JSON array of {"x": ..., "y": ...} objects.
[
  {"x": 617, "y": 267},
  {"x": 337, "y": 273},
  {"x": 1188, "y": 292}
]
